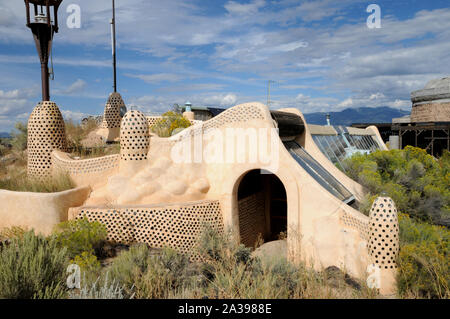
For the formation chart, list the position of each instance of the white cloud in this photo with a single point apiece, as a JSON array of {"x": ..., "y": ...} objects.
[
  {"x": 76, "y": 87},
  {"x": 228, "y": 100},
  {"x": 15, "y": 102},
  {"x": 376, "y": 96},
  {"x": 74, "y": 116},
  {"x": 401, "y": 104},
  {"x": 266, "y": 39},
  {"x": 234, "y": 7},
  {"x": 192, "y": 87},
  {"x": 346, "y": 103},
  {"x": 287, "y": 47},
  {"x": 156, "y": 78}
]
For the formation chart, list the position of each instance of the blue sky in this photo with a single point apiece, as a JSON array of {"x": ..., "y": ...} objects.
[{"x": 321, "y": 54}]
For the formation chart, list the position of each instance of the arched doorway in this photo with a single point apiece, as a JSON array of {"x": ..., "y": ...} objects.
[{"x": 262, "y": 207}]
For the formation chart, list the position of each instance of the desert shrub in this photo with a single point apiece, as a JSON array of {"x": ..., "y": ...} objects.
[
  {"x": 80, "y": 236},
  {"x": 3, "y": 150},
  {"x": 151, "y": 275},
  {"x": 423, "y": 259},
  {"x": 32, "y": 267},
  {"x": 101, "y": 288},
  {"x": 18, "y": 181},
  {"x": 130, "y": 266},
  {"x": 229, "y": 271},
  {"x": 11, "y": 233},
  {"x": 77, "y": 132},
  {"x": 169, "y": 124},
  {"x": 278, "y": 280},
  {"x": 94, "y": 152},
  {"x": 417, "y": 182},
  {"x": 166, "y": 275},
  {"x": 224, "y": 270},
  {"x": 213, "y": 246},
  {"x": 87, "y": 261},
  {"x": 19, "y": 136}
]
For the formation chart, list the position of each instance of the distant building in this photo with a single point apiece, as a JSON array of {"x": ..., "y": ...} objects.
[
  {"x": 201, "y": 113},
  {"x": 428, "y": 126},
  {"x": 432, "y": 103}
]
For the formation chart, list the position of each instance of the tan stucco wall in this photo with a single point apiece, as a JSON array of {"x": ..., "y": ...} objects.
[{"x": 37, "y": 211}]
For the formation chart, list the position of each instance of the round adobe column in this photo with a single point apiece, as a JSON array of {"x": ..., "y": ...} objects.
[
  {"x": 46, "y": 132},
  {"x": 383, "y": 243},
  {"x": 134, "y": 140}
]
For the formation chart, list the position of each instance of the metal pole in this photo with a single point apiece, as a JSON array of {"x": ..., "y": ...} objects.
[
  {"x": 113, "y": 35},
  {"x": 27, "y": 4},
  {"x": 45, "y": 82}
]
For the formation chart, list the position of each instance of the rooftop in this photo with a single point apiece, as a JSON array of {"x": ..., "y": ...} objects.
[{"x": 438, "y": 89}]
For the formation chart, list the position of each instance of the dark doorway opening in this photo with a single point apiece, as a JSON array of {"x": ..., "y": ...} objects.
[{"x": 262, "y": 204}]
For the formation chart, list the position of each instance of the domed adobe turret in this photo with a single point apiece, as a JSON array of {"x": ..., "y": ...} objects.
[
  {"x": 46, "y": 132},
  {"x": 432, "y": 103},
  {"x": 383, "y": 243},
  {"x": 111, "y": 116},
  {"x": 134, "y": 137},
  {"x": 383, "y": 236}
]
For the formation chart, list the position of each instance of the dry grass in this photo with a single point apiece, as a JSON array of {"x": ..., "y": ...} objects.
[
  {"x": 76, "y": 133},
  {"x": 226, "y": 271},
  {"x": 16, "y": 180},
  {"x": 93, "y": 152},
  {"x": 11, "y": 233}
]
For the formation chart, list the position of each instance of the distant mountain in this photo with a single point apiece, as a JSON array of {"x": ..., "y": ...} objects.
[
  {"x": 4, "y": 135},
  {"x": 358, "y": 115}
]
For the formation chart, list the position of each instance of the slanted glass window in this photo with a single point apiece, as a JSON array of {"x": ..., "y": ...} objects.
[
  {"x": 320, "y": 174},
  {"x": 338, "y": 147}
]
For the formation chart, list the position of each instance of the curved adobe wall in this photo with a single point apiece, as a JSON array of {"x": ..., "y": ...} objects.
[
  {"x": 38, "y": 211},
  {"x": 88, "y": 171},
  {"x": 46, "y": 132},
  {"x": 176, "y": 225}
]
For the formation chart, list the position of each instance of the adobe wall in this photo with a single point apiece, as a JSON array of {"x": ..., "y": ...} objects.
[
  {"x": 173, "y": 225},
  {"x": 92, "y": 171},
  {"x": 38, "y": 211},
  {"x": 431, "y": 112}
]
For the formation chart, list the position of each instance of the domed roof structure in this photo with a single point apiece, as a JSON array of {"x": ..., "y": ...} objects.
[
  {"x": 438, "y": 83},
  {"x": 434, "y": 90}
]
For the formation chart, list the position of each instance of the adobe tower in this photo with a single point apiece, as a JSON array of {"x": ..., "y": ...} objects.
[
  {"x": 110, "y": 127},
  {"x": 46, "y": 129}
]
